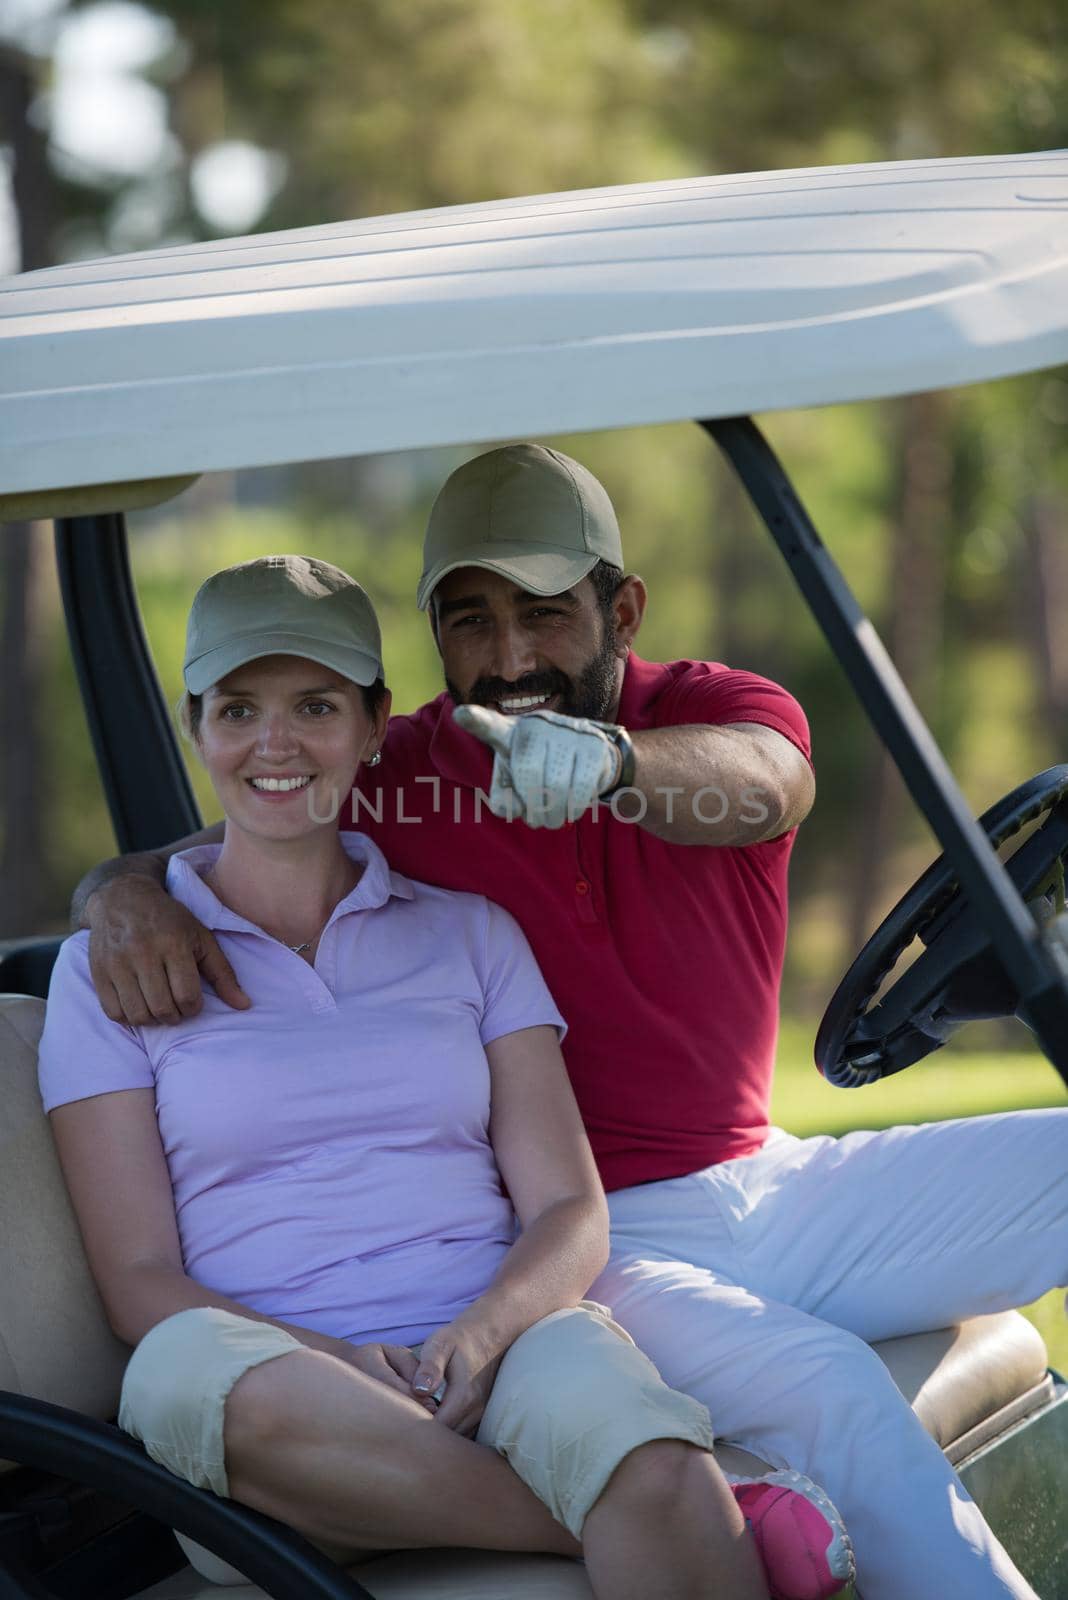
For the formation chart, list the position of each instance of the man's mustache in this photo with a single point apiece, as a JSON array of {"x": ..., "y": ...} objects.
[{"x": 489, "y": 691}]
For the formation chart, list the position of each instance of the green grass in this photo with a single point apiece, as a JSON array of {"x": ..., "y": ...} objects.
[{"x": 951, "y": 1083}]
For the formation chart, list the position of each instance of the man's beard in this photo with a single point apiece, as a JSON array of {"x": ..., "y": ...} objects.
[{"x": 591, "y": 694}]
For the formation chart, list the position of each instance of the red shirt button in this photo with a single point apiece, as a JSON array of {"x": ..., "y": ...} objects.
[{"x": 582, "y": 887}]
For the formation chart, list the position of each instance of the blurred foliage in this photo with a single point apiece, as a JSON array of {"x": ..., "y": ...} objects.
[{"x": 941, "y": 517}]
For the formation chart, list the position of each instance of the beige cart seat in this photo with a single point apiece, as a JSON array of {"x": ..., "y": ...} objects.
[{"x": 967, "y": 1384}]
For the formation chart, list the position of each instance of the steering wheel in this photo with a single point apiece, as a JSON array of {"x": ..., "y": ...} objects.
[{"x": 958, "y": 977}]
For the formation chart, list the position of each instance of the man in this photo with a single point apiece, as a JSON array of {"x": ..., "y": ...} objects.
[{"x": 646, "y": 860}]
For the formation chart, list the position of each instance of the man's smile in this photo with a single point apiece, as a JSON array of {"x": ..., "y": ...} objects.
[{"x": 517, "y": 705}]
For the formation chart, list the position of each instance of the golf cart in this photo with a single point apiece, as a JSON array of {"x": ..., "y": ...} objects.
[{"x": 709, "y": 299}]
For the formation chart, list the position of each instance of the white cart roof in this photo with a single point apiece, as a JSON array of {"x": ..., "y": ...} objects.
[{"x": 602, "y": 308}]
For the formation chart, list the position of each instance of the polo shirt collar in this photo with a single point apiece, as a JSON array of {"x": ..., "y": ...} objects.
[
  {"x": 378, "y": 884},
  {"x": 457, "y": 755},
  {"x": 462, "y": 758}
]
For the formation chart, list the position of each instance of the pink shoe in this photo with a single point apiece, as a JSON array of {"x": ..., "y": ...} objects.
[{"x": 801, "y": 1539}]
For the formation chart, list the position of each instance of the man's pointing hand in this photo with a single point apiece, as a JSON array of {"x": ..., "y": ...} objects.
[
  {"x": 489, "y": 726},
  {"x": 548, "y": 769}
]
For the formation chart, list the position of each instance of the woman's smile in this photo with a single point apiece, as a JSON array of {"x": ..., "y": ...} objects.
[{"x": 281, "y": 784}]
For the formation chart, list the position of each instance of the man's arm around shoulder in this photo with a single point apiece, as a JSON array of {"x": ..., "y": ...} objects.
[{"x": 148, "y": 955}]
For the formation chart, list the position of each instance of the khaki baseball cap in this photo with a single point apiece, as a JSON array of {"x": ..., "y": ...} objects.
[
  {"x": 281, "y": 606},
  {"x": 525, "y": 511}
]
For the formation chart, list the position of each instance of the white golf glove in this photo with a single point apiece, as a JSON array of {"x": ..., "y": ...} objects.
[{"x": 547, "y": 769}]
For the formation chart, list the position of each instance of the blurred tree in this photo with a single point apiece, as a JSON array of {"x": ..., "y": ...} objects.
[
  {"x": 376, "y": 108},
  {"x": 921, "y": 457},
  {"x": 1045, "y": 594},
  {"x": 383, "y": 108},
  {"x": 766, "y": 83}
]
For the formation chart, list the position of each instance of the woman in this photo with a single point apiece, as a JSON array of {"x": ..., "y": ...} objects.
[{"x": 302, "y": 1215}]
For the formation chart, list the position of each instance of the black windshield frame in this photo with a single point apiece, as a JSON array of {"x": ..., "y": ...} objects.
[{"x": 1032, "y": 964}]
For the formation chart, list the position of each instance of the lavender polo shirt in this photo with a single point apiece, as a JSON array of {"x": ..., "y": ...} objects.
[{"x": 329, "y": 1148}]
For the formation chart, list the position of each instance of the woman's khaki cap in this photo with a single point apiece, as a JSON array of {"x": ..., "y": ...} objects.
[
  {"x": 281, "y": 606},
  {"x": 527, "y": 512}
]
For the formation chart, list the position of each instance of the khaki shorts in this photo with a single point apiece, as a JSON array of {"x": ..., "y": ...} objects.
[{"x": 573, "y": 1396}]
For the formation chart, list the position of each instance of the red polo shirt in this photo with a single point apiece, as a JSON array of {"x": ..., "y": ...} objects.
[{"x": 665, "y": 959}]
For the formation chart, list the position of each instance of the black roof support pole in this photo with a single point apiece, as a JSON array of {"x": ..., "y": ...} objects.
[
  {"x": 1037, "y": 968},
  {"x": 145, "y": 781}
]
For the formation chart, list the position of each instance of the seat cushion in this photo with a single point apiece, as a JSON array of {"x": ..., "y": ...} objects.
[
  {"x": 424, "y": 1575},
  {"x": 957, "y": 1378},
  {"x": 55, "y": 1342}
]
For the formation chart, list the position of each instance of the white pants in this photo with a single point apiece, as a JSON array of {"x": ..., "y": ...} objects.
[{"x": 755, "y": 1285}]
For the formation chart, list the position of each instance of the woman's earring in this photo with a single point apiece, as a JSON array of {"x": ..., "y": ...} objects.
[{"x": 375, "y": 759}]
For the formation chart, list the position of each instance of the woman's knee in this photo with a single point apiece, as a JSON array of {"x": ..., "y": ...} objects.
[
  {"x": 571, "y": 1361},
  {"x": 660, "y": 1477},
  {"x": 179, "y": 1379},
  {"x": 169, "y": 1367},
  {"x": 263, "y": 1409},
  {"x": 310, "y": 1398},
  {"x": 583, "y": 1370},
  {"x": 573, "y": 1399}
]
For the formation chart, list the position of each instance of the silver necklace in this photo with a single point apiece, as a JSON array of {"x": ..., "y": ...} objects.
[{"x": 299, "y": 949}]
